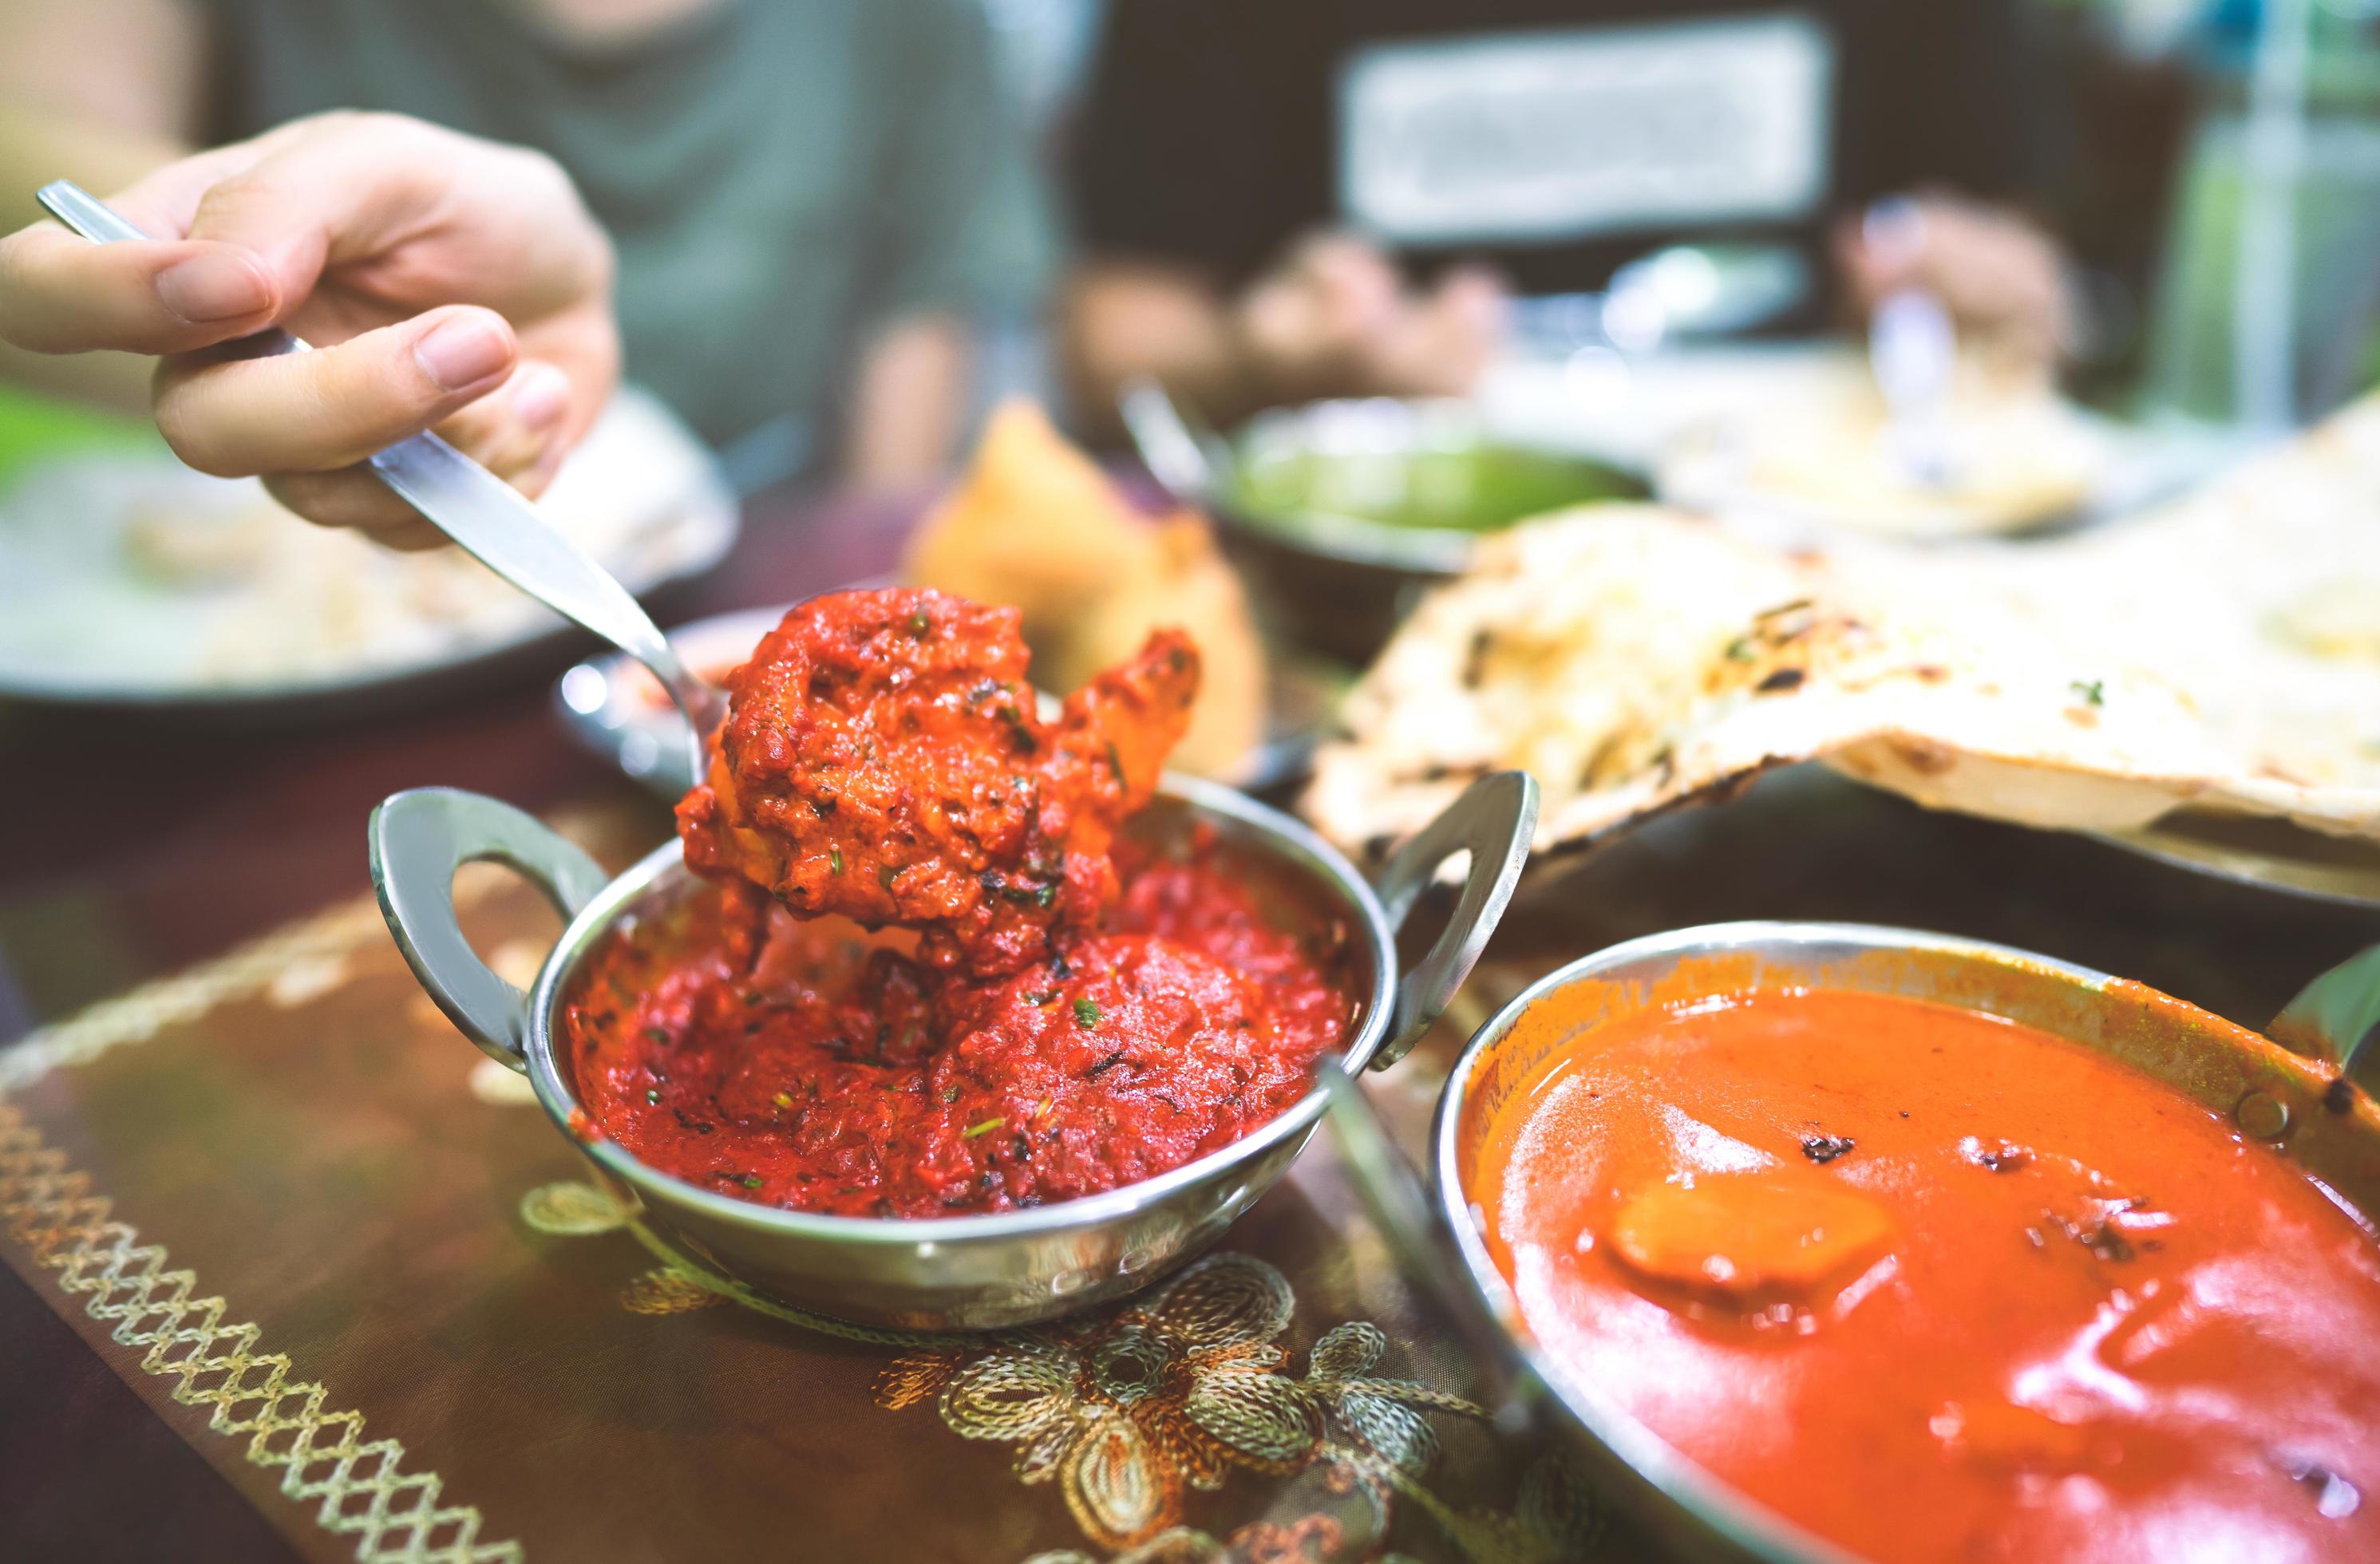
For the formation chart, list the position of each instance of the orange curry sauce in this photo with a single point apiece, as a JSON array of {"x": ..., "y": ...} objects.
[{"x": 1938, "y": 1286}]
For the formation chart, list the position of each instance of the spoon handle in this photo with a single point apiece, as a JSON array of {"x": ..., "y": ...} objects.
[
  {"x": 2333, "y": 1017},
  {"x": 487, "y": 517}
]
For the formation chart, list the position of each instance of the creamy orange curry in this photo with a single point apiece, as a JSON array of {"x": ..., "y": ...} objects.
[{"x": 1938, "y": 1286}]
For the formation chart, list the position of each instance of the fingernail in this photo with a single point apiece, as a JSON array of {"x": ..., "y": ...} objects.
[
  {"x": 214, "y": 286},
  {"x": 462, "y": 352},
  {"x": 540, "y": 395}
]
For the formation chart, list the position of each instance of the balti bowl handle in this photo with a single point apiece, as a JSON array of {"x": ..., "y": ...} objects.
[
  {"x": 1494, "y": 819},
  {"x": 419, "y": 839}
]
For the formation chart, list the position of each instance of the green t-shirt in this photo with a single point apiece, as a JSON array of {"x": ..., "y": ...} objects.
[{"x": 780, "y": 177}]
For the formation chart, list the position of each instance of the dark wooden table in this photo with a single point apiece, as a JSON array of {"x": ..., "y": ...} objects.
[{"x": 132, "y": 846}]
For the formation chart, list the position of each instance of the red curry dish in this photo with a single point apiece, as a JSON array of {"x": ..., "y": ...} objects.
[
  {"x": 1938, "y": 1286},
  {"x": 1038, "y": 1009},
  {"x": 883, "y": 758}
]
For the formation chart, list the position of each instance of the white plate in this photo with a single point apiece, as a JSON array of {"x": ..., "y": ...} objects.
[{"x": 135, "y": 581}]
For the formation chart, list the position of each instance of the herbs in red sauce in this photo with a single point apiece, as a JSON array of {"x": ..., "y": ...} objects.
[
  {"x": 877, "y": 1084},
  {"x": 1041, "y": 1018}
]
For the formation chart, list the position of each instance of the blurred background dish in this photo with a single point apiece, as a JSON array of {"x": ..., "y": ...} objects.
[
  {"x": 1403, "y": 483},
  {"x": 127, "y": 579},
  {"x": 2009, "y": 456},
  {"x": 1341, "y": 513},
  {"x": 2213, "y": 657}
]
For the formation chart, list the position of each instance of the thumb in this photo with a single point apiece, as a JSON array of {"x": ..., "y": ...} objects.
[{"x": 333, "y": 406}]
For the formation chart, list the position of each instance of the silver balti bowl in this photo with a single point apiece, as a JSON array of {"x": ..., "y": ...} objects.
[
  {"x": 2270, "y": 1093},
  {"x": 956, "y": 1273}
]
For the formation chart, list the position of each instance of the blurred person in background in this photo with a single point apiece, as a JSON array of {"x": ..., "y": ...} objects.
[
  {"x": 813, "y": 204},
  {"x": 1283, "y": 200}
]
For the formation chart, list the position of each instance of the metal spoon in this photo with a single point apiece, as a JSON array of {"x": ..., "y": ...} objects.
[
  {"x": 1186, "y": 459},
  {"x": 488, "y": 518},
  {"x": 1401, "y": 1206},
  {"x": 1913, "y": 348},
  {"x": 2333, "y": 1017},
  {"x": 1913, "y": 352}
]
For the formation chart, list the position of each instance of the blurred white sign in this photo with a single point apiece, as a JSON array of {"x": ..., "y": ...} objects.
[{"x": 1564, "y": 134}]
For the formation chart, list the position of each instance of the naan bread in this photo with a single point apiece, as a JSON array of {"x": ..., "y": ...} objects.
[{"x": 2223, "y": 653}]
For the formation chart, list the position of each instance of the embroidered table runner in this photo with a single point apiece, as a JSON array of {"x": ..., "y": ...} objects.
[{"x": 349, "y": 1261}]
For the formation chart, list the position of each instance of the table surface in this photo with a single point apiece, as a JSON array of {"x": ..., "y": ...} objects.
[{"x": 132, "y": 846}]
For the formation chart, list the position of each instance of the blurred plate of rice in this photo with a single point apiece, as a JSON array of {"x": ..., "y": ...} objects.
[
  {"x": 2016, "y": 458},
  {"x": 131, "y": 579}
]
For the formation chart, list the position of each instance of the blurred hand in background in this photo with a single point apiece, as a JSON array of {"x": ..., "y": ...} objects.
[
  {"x": 1338, "y": 318},
  {"x": 445, "y": 281},
  {"x": 1335, "y": 317},
  {"x": 2001, "y": 278}
]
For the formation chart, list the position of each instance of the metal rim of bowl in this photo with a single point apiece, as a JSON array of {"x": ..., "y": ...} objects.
[
  {"x": 1741, "y": 1521},
  {"x": 1353, "y": 540},
  {"x": 600, "y": 915},
  {"x": 1349, "y": 540}
]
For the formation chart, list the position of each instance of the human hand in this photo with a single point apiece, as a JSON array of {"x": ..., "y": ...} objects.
[
  {"x": 2000, "y": 277},
  {"x": 443, "y": 281},
  {"x": 1336, "y": 319}
]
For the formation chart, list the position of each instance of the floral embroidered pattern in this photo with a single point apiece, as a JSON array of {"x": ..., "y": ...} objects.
[
  {"x": 1553, "y": 1522},
  {"x": 571, "y": 1208},
  {"x": 1122, "y": 1412},
  {"x": 1126, "y": 1411}
]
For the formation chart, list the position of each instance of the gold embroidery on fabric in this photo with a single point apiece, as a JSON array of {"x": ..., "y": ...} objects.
[
  {"x": 359, "y": 1487},
  {"x": 1553, "y": 1522},
  {"x": 665, "y": 1292},
  {"x": 571, "y": 1208},
  {"x": 140, "y": 1015},
  {"x": 1125, "y": 1410}
]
